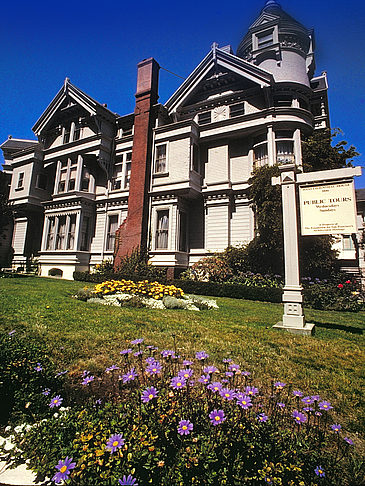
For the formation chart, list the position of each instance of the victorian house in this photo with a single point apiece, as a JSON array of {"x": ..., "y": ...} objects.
[{"x": 172, "y": 177}]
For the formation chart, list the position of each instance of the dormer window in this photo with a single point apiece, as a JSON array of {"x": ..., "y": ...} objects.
[
  {"x": 66, "y": 134},
  {"x": 237, "y": 110},
  {"x": 204, "y": 118},
  {"x": 265, "y": 39},
  {"x": 71, "y": 132}
]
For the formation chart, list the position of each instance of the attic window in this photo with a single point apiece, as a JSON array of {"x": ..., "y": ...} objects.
[
  {"x": 204, "y": 118},
  {"x": 237, "y": 110},
  {"x": 265, "y": 39}
]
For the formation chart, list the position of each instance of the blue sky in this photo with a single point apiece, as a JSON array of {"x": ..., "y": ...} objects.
[{"x": 98, "y": 44}]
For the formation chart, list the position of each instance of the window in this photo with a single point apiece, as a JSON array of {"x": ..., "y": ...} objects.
[
  {"x": 284, "y": 147},
  {"x": 162, "y": 230},
  {"x": 204, "y": 118},
  {"x": 20, "y": 184},
  {"x": 260, "y": 153},
  {"x": 85, "y": 181},
  {"x": 41, "y": 182},
  {"x": 85, "y": 233},
  {"x": 77, "y": 132},
  {"x": 112, "y": 228},
  {"x": 196, "y": 158},
  {"x": 61, "y": 233},
  {"x": 283, "y": 101},
  {"x": 347, "y": 243},
  {"x": 183, "y": 232},
  {"x": 71, "y": 232},
  {"x": 66, "y": 133},
  {"x": 264, "y": 39},
  {"x": 160, "y": 158},
  {"x": 50, "y": 234},
  {"x": 67, "y": 176},
  {"x": 237, "y": 110},
  {"x": 117, "y": 173}
]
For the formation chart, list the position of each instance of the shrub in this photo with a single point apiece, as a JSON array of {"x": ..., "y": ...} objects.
[
  {"x": 209, "y": 269},
  {"x": 186, "y": 422},
  {"x": 26, "y": 370},
  {"x": 341, "y": 294}
]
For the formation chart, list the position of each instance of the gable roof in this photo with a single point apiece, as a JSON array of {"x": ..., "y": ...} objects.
[
  {"x": 69, "y": 90},
  {"x": 222, "y": 58}
]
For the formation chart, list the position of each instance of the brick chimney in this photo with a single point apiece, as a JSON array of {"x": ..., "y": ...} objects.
[{"x": 133, "y": 231}]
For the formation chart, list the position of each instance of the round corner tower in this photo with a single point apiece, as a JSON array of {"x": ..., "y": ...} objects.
[{"x": 279, "y": 44}]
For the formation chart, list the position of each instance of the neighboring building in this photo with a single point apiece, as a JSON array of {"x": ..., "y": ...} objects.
[{"x": 179, "y": 171}]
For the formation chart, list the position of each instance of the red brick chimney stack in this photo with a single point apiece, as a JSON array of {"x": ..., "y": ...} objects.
[{"x": 133, "y": 232}]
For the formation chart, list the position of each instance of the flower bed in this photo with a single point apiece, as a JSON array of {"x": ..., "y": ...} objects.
[
  {"x": 144, "y": 287},
  {"x": 158, "y": 418}
]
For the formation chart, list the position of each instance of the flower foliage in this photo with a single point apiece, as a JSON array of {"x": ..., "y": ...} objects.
[
  {"x": 172, "y": 427},
  {"x": 144, "y": 288}
]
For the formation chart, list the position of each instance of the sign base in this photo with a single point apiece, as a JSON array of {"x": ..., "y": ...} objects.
[{"x": 307, "y": 330}]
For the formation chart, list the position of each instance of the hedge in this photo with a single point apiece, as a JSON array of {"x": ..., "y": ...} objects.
[{"x": 213, "y": 289}]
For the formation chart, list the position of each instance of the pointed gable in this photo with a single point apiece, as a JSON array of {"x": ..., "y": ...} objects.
[
  {"x": 218, "y": 63},
  {"x": 70, "y": 97}
]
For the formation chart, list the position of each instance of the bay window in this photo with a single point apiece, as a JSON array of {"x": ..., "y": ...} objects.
[
  {"x": 284, "y": 147},
  {"x": 162, "y": 230},
  {"x": 113, "y": 224}
]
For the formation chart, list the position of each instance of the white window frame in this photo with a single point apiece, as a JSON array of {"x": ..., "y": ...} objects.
[
  {"x": 20, "y": 183},
  {"x": 111, "y": 236},
  {"x": 162, "y": 209},
  {"x": 157, "y": 146}
]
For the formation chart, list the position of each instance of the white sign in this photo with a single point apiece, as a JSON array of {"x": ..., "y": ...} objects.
[{"x": 328, "y": 209}]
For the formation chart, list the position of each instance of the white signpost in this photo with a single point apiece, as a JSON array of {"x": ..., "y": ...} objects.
[{"x": 327, "y": 203}]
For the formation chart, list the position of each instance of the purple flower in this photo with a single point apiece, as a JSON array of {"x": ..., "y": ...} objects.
[
  {"x": 138, "y": 353},
  {"x": 38, "y": 367},
  {"x": 11, "y": 333},
  {"x": 251, "y": 390},
  {"x": 87, "y": 380},
  {"x": 149, "y": 394},
  {"x": 130, "y": 376},
  {"x": 46, "y": 392},
  {"x": 64, "y": 469},
  {"x": 137, "y": 341},
  {"x": 204, "y": 379},
  {"x": 308, "y": 409},
  {"x": 262, "y": 417},
  {"x": 125, "y": 351},
  {"x": 168, "y": 353},
  {"x": 268, "y": 480},
  {"x": 150, "y": 360},
  {"x": 319, "y": 471},
  {"x": 348, "y": 440},
  {"x": 227, "y": 360},
  {"x": 280, "y": 405},
  {"x": 318, "y": 414},
  {"x": 178, "y": 382},
  {"x": 229, "y": 374},
  {"x": 61, "y": 373},
  {"x": 299, "y": 417},
  {"x": 215, "y": 387},
  {"x": 201, "y": 355},
  {"x": 112, "y": 368},
  {"x": 227, "y": 394},
  {"x": 325, "y": 405},
  {"x": 128, "y": 481},
  {"x": 56, "y": 401},
  {"x": 217, "y": 417},
  {"x": 315, "y": 398},
  {"x": 187, "y": 362},
  {"x": 187, "y": 373},
  {"x": 279, "y": 385},
  {"x": 234, "y": 367},
  {"x": 297, "y": 393},
  {"x": 85, "y": 373},
  {"x": 154, "y": 368},
  {"x": 244, "y": 402},
  {"x": 308, "y": 400},
  {"x": 246, "y": 373},
  {"x": 115, "y": 442},
  {"x": 185, "y": 427},
  {"x": 336, "y": 428},
  {"x": 208, "y": 370}
]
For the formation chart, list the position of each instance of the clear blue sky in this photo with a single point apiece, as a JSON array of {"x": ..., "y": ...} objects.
[{"x": 98, "y": 44}]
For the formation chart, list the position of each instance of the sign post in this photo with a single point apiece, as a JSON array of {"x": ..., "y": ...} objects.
[{"x": 334, "y": 207}]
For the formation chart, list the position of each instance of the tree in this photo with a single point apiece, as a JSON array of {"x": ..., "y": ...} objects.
[
  {"x": 265, "y": 253},
  {"x": 5, "y": 208}
]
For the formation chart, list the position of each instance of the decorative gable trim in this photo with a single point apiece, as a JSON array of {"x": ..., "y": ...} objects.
[
  {"x": 264, "y": 18},
  {"x": 68, "y": 90},
  {"x": 217, "y": 57}
]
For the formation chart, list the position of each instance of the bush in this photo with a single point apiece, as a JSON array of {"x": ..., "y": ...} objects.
[
  {"x": 26, "y": 370},
  {"x": 172, "y": 422},
  {"x": 341, "y": 294},
  {"x": 209, "y": 269}
]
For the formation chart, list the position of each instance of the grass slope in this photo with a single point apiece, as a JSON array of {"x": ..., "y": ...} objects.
[{"x": 90, "y": 336}]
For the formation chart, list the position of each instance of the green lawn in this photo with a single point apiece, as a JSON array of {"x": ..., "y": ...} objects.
[{"x": 90, "y": 336}]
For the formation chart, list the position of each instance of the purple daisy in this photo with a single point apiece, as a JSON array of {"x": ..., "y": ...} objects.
[
  {"x": 168, "y": 353},
  {"x": 178, "y": 382},
  {"x": 61, "y": 373},
  {"x": 227, "y": 360},
  {"x": 244, "y": 402},
  {"x": 126, "y": 351},
  {"x": 325, "y": 405},
  {"x": 217, "y": 417},
  {"x": 56, "y": 401},
  {"x": 208, "y": 370},
  {"x": 215, "y": 387},
  {"x": 297, "y": 393},
  {"x": 201, "y": 355},
  {"x": 251, "y": 390},
  {"x": 150, "y": 360},
  {"x": 130, "y": 376},
  {"x": 234, "y": 368},
  {"x": 64, "y": 469},
  {"x": 316, "y": 398},
  {"x": 308, "y": 400},
  {"x": 229, "y": 374},
  {"x": 319, "y": 471},
  {"x": 11, "y": 333},
  {"x": 262, "y": 417},
  {"x": 112, "y": 368},
  {"x": 149, "y": 394},
  {"x": 246, "y": 373},
  {"x": 187, "y": 362},
  {"x": 114, "y": 443},
  {"x": 280, "y": 405},
  {"x": 279, "y": 385},
  {"x": 154, "y": 368},
  {"x": 128, "y": 481},
  {"x": 204, "y": 379},
  {"x": 138, "y": 353},
  {"x": 137, "y": 341},
  {"x": 348, "y": 440},
  {"x": 308, "y": 409},
  {"x": 185, "y": 427},
  {"x": 187, "y": 373},
  {"x": 227, "y": 394},
  {"x": 38, "y": 367},
  {"x": 336, "y": 428},
  {"x": 46, "y": 392},
  {"x": 299, "y": 417},
  {"x": 87, "y": 380}
]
